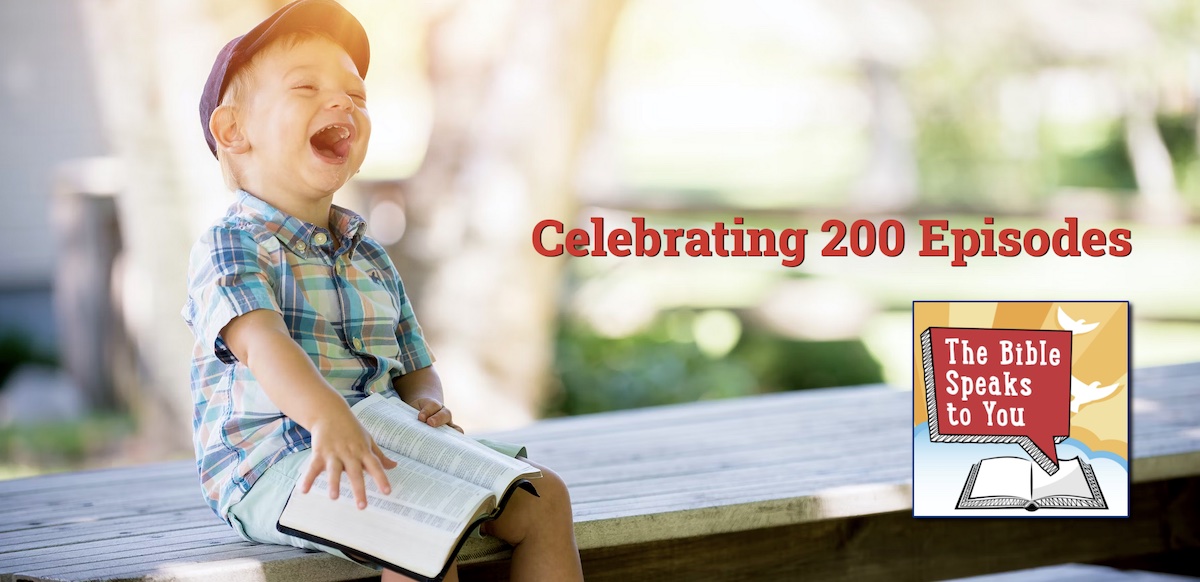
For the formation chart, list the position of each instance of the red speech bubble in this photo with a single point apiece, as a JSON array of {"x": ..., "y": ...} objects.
[{"x": 999, "y": 386}]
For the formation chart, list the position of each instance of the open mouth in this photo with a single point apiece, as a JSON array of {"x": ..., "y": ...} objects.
[{"x": 332, "y": 142}]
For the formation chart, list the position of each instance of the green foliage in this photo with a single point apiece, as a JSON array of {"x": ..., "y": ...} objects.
[
  {"x": 1103, "y": 162},
  {"x": 16, "y": 350},
  {"x": 651, "y": 368},
  {"x": 599, "y": 374},
  {"x": 784, "y": 364},
  {"x": 1179, "y": 135},
  {"x": 1106, "y": 164},
  {"x": 62, "y": 445}
]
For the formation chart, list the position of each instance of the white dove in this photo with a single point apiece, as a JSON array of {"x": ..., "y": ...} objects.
[
  {"x": 1075, "y": 326},
  {"x": 1084, "y": 393}
]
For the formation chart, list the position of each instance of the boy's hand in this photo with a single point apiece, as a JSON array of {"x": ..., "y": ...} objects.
[
  {"x": 340, "y": 444},
  {"x": 431, "y": 411}
]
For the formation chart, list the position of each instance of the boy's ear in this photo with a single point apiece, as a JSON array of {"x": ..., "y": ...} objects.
[{"x": 226, "y": 132}]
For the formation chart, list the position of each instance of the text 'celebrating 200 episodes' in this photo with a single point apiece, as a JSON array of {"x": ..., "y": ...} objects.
[{"x": 862, "y": 238}]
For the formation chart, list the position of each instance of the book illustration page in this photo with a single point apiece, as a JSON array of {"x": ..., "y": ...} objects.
[
  {"x": 1003, "y": 477},
  {"x": 996, "y": 383},
  {"x": 395, "y": 427},
  {"x": 1068, "y": 481}
]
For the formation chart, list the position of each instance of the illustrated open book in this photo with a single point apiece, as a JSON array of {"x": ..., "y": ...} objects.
[
  {"x": 445, "y": 484},
  {"x": 1011, "y": 482}
]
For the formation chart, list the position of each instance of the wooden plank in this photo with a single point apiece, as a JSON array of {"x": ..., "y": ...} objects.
[
  {"x": 740, "y": 455},
  {"x": 82, "y": 479},
  {"x": 178, "y": 485},
  {"x": 894, "y": 546},
  {"x": 816, "y": 473},
  {"x": 282, "y": 564},
  {"x": 734, "y": 450},
  {"x": 86, "y": 531},
  {"x": 128, "y": 546},
  {"x": 785, "y": 421},
  {"x": 1191, "y": 369},
  {"x": 748, "y": 407},
  {"x": 149, "y": 561},
  {"x": 637, "y": 477},
  {"x": 772, "y": 488},
  {"x": 42, "y": 516},
  {"x": 91, "y": 502}
]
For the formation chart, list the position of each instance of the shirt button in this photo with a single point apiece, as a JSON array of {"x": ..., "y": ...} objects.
[
  {"x": 320, "y": 238},
  {"x": 300, "y": 246},
  {"x": 357, "y": 344}
]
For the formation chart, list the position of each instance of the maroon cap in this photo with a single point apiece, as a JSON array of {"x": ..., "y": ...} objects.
[{"x": 321, "y": 15}]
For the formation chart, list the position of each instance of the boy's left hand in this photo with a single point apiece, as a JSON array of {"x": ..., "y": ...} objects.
[{"x": 432, "y": 412}]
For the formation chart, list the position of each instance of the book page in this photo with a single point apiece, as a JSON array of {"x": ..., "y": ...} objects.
[
  {"x": 1069, "y": 481},
  {"x": 394, "y": 426},
  {"x": 418, "y": 493},
  {"x": 1003, "y": 477},
  {"x": 416, "y": 526}
]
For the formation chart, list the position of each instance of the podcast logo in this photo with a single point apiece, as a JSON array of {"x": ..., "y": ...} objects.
[{"x": 1020, "y": 408}]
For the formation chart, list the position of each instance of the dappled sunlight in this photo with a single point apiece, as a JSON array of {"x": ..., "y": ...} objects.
[
  {"x": 491, "y": 117},
  {"x": 243, "y": 569},
  {"x": 851, "y": 500}
]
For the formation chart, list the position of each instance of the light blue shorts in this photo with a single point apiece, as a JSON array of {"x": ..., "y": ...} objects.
[{"x": 255, "y": 516}]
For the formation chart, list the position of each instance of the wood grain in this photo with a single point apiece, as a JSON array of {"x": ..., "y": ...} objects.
[{"x": 815, "y": 483}]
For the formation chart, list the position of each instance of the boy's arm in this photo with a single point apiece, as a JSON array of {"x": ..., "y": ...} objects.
[
  {"x": 422, "y": 389},
  {"x": 260, "y": 340}
]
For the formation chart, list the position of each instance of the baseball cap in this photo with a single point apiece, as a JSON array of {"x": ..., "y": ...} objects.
[{"x": 323, "y": 15}]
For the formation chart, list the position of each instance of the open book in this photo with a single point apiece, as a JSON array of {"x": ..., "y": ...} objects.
[
  {"x": 1011, "y": 482},
  {"x": 444, "y": 485}
]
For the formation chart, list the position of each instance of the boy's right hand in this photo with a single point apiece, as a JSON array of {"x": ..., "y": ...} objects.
[{"x": 340, "y": 444}]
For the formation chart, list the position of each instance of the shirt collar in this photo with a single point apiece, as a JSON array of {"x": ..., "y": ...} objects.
[{"x": 299, "y": 236}]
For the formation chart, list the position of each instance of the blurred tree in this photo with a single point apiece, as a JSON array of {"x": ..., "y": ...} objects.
[
  {"x": 139, "y": 47},
  {"x": 1160, "y": 201},
  {"x": 514, "y": 87}
]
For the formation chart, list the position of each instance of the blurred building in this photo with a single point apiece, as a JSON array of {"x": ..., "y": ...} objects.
[{"x": 49, "y": 114}]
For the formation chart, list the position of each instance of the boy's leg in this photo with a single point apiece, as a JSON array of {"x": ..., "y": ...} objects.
[{"x": 542, "y": 531}]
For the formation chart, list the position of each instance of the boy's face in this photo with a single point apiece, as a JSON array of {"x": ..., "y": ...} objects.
[{"x": 305, "y": 120}]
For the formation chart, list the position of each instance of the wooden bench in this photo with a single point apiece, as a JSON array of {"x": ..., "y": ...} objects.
[{"x": 815, "y": 483}]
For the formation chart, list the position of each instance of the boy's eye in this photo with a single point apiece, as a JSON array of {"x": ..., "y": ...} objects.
[
  {"x": 307, "y": 87},
  {"x": 359, "y": 96}
]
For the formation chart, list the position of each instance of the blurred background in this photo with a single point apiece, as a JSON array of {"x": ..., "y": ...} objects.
[{"x": 490, "y": 116}]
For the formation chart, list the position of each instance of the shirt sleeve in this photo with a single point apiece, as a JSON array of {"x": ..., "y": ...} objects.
[
  {"x": 414, "y": 351},
  {"x": 230, "y": 274}
]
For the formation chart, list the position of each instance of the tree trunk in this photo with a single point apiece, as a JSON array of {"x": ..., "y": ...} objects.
[
  {"x": 147, "y": 56},
  {"x": 513, "y": 104},
  {"x": 889, "y": 182},
  {"x": 1158, "y": 199}
]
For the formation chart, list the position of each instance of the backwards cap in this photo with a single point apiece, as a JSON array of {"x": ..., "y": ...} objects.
[{"x": 323, "y": 15}]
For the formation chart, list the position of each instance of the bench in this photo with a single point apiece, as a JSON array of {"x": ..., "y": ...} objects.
[{"x": 815, "y": 482}]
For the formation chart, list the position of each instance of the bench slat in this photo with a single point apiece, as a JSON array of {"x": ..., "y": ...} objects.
[
  {"x": 636, "y": 477},
  {"x": 67, "y": 534}
]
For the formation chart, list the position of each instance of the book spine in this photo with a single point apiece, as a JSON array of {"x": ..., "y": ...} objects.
[{"x": 930, "y": 384}]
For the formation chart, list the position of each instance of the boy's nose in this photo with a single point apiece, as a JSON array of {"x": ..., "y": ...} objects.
[{"x": 342, "y": 101}]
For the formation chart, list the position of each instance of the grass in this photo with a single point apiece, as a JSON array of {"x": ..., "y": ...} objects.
[{"x": 29, "y": 449}]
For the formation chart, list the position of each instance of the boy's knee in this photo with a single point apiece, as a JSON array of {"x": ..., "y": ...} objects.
[
  {"x": 526, "y": 512},
  {"x": 552, "y": 490}
]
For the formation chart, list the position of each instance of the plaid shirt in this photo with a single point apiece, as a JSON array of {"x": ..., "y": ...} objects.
[{"x": 346, "y": 309}]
